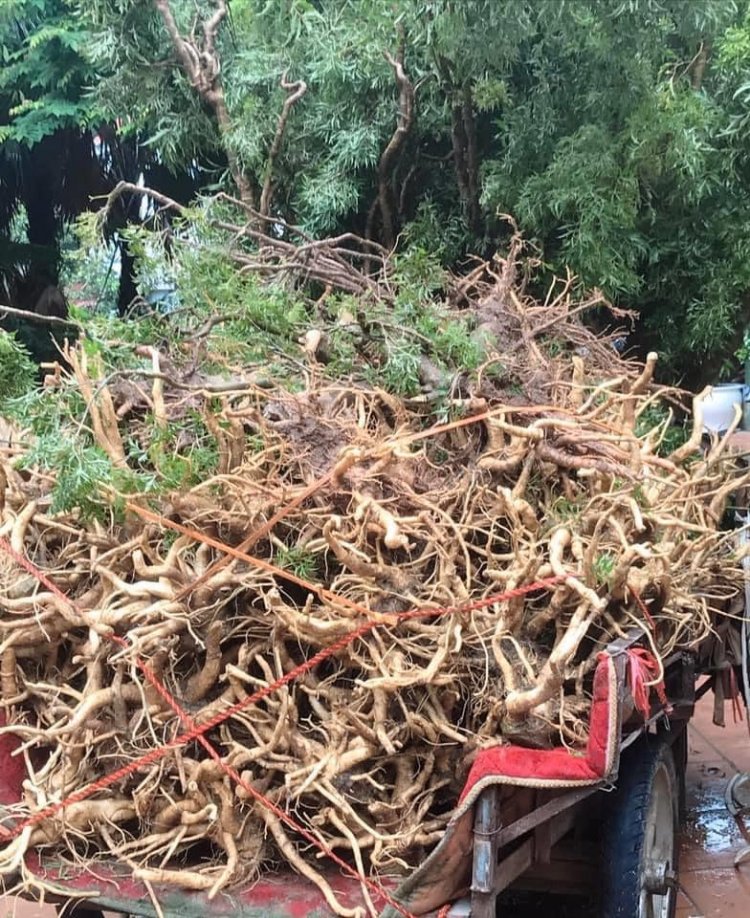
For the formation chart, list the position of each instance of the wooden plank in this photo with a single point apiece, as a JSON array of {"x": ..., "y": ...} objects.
[
  {"x": 515, "y": 864},
  {"x": 543, "y": 813},
  {"x": 560, "y": 876},
  {"x": 542, "y": 843}
]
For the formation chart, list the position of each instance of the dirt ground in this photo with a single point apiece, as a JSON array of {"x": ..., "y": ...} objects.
[{"x": 710, "y": 887}]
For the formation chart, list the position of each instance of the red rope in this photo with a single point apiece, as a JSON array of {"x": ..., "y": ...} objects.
[{"x": 196, "y": 732}]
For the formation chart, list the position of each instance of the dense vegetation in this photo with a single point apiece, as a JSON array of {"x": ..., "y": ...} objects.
[
  {"x": 398, "y": 241},
  {"x": 614, "y": 131}
]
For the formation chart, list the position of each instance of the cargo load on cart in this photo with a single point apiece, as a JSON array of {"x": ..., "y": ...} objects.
[{"x": 296, "y": 614}]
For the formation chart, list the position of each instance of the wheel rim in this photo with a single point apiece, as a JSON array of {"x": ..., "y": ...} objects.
[{"x": 658, "y": 853}]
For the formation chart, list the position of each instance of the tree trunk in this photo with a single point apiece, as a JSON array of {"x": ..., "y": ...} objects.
[
  {"x": 465, "y": 160},
  {"x": 473, "y": 210},
  {"x": 40, "y": 213},
  {"x": 127, "y": 290}
]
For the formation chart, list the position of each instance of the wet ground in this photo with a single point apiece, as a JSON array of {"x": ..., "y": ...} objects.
[{"x": 710, "y": 886}]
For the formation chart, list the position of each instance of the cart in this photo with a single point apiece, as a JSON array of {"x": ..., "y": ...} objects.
[{"x": 605, "y": 822}]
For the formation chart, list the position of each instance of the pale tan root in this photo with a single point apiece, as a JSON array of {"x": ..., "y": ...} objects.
[{"x": 273, "y": 824}]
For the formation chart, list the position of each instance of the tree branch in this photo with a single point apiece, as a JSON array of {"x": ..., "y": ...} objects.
[
  {"x": 331, "y": 261},
  {"x": 202, "y": 67},
  {"x": 36, "y": 318},
  {"x": 186, "y": 54},
  {"x": 697, "y": 66},
  {"x": 404, "y": 125},
  {"x": 211, "y": 26},
  {"x": 296, "y": 91}
]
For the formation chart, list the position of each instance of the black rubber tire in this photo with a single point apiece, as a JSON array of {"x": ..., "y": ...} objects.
[{"x": 624, "y": 823}]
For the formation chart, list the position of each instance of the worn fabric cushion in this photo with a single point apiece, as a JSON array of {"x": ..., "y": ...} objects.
[{"x": 556, "y": 767}]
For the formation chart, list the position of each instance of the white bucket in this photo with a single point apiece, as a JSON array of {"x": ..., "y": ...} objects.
[{"x": 719, "y": 405}]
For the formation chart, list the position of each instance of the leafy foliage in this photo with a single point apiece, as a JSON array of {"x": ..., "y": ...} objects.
[
  {"x": 159, "y": 460},
  {"x": 44, "y": 105},
  {"x": 615, "y": 131},
  {"x": 61, "y": 443},
  {"x": 673, "y": 434},
  {"x": 45, "y": 70},
  {"x": 300, "y": 562},
  {"x": 138, "y": 83},
  {"x": 81, "y": 472},
  {"x": 60, "y": 151},
  {"x": 17, "y": 372}
]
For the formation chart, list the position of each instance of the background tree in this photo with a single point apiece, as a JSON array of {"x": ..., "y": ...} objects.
[
  {"x": 47, "y": 163},
  {"x": 614, "y": 131},
  {"x": 59, "y": 151}
]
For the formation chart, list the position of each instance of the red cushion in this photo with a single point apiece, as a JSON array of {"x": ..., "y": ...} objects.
[{"x": 519, "y": 765}]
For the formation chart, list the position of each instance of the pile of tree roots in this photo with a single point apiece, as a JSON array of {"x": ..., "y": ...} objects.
[{"x": 346, "y": 505}]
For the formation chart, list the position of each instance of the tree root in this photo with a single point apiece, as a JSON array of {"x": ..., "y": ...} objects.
[{"x": 356, "y": 511}]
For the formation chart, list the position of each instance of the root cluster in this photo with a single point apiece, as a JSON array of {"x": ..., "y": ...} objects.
[{"x": 375, "y": 510}]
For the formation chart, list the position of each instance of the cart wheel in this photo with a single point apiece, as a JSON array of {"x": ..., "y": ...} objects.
[
  {"x": 676, "y": 735},
  {"x": 640, "y": 829}
]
